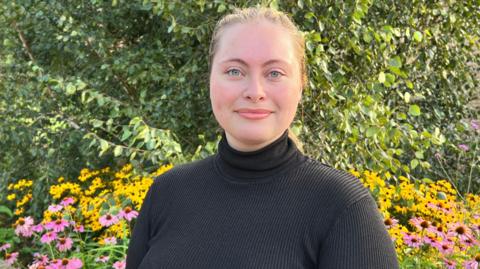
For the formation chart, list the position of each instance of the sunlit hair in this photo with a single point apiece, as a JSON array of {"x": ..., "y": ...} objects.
[{"x": 261, "y": 13}]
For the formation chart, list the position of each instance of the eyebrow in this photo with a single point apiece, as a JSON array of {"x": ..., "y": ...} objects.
[{"x": 264, "y": 64}]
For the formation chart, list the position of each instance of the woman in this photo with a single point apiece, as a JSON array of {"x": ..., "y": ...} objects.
[{"x": 259, "y": 202}]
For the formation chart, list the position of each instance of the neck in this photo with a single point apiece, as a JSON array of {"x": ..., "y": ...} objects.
[
  {"x": 248, "y": 147},
  {"x": 250, "y": 166}
]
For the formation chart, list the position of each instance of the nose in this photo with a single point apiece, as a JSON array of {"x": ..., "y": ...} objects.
[{"x": 255, "y": 90}]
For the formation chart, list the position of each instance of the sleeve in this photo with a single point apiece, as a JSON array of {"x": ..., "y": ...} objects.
[
  {"x": 138, "y": 246},
  {"x": 358, "y": 239}
]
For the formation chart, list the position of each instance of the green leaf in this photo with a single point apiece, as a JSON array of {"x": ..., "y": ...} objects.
[
  {"x": 103, "y": 145},
  {"x": 81, "y": 85},
  {"x": 441, "y": 196},
  {"x": 390, "y": 78},
  {"x": 126, "y": 134},
  {"x": 117, "y": 151},
  {"x": 381, "y": 77},
  {"x": 409, "y": 84},
  {"x": 417, "y": 36},
  {"x": 97, "y": 123},
  {"x": 371, "y": 131},
  {"x": 5, "y": 210},
  {"x": 426, "y": 180},
  {"x": 71, "y": 89},
  {"x": 221, "y": 8},
  {"x": 395, "y": 62},
  {"x": 414, "y": 110},
  {"x": 407, "y": 97},
  {"x": 414, "y": 163}
]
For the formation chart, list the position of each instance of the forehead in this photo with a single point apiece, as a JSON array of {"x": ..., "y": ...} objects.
[{"x": 256, "y": 41}]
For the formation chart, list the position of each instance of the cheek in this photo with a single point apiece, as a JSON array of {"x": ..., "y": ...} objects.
[{"x": 221, "y": 95}]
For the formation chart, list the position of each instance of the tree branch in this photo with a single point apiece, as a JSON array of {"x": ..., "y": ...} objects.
[{"x": 24, "y": 41}]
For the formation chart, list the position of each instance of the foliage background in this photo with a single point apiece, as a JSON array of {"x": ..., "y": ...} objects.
[{"x": 393, "y": 86}]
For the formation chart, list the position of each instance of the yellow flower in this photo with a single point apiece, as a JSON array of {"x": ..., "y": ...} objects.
[
  {"x": 11, "y": 197},
  {"x": 24, "y": 200},
  {"x": 18, "y": 211}
]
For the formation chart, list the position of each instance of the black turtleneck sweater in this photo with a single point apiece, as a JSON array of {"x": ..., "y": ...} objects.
[{"x": 271, "y": 208}]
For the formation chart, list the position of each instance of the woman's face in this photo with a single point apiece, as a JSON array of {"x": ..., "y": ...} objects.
[{"x": 255, "y": 83}]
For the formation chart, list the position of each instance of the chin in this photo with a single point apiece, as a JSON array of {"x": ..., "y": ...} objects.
[{"x": 254, "y": 137}]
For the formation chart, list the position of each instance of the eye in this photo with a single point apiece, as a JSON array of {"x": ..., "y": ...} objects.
[
  {"x": 275, "y": 74},
  {"x": 234, "y": 72}
]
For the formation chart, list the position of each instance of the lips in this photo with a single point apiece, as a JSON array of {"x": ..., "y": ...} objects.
[{"x": 254, "y": 114}]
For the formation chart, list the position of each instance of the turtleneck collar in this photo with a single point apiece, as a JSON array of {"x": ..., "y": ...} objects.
[{"x": 275, "y": 158}]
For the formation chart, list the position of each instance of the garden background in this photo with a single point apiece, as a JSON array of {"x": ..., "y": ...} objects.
[{"x": 99, "y": 97}]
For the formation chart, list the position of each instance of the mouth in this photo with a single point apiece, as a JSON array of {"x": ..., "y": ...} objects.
[{"x": 254, "y": 114}]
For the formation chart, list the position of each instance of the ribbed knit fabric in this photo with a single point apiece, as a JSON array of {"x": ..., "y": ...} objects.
[{"x": 271, "y": 208}]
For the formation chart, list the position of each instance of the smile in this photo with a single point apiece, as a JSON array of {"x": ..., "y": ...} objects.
[{"x": 254, "y": 114}]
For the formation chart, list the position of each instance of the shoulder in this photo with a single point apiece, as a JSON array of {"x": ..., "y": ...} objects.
[
  {"x": 333, "y": 185},
  {"x": 184, "y": 172}
]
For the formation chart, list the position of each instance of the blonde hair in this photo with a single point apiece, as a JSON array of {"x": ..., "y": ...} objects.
[
  {"x": 262, "y": 13},
  {"x": 276, "y": 17}
]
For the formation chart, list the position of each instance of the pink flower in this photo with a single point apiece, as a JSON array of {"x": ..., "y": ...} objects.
[
  {"x": 463, "y": 147},
  {"x": 445, "y": 247},
  {"x": 469, "y": 242},
  {"x": 102, "y": 258},
  {"x": 64, "y": 263},
  {"x": 40, "y": 260},
  {"x": 390, "y": 222},
  {"x": 459, "y": 230},
  {"x": 5, "y": 247},
  {"x": 110, "y": 240},
  {"x": 38, "y": 228},
  {"x": 67, "y": 201},
  {"x": 128, "y": 213},
  {"x": 55, "y": 208},
  {"x": 58, "y": 225},
  {"x": 119, "y": 265},
  {"x": 48, "y": 237},
  {"x": 64, "y": 243},
  {"x": 108, "y": 220},
  {"x": 24, "y": 227},
  {"x": 420, "y": 223},
  {"x": 475, "y": 124},
  {"x": 78, "y": 228},
  {"x": 450, "y": 264},
  {"x": 40, "y": 263},
  {"x": 429, "y": 239},
  {"x": 10, "y": 258},
  {"x": 476, "y": 228},
  {"x": 438, "y": 230},
  {"x": 471, "y": 264},
  {"x": 412, "y": 240}
]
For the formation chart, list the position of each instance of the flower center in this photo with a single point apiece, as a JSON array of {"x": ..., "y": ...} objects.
[
  {"x": 64, "y": 261},
  {"x": 460, "y": 230}
]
